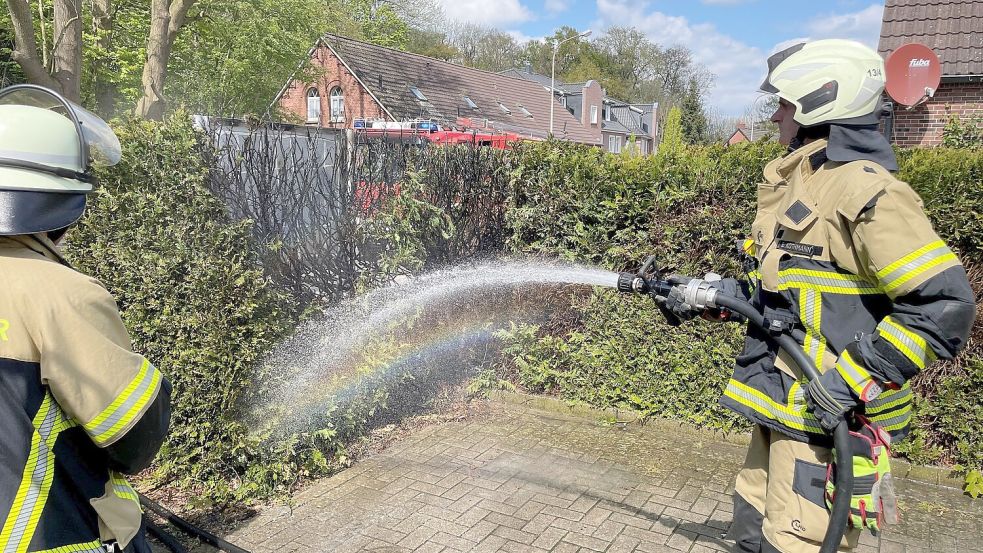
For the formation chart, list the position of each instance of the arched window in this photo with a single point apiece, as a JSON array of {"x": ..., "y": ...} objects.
[
  {"x": 337, "y": 105},
  {"x": 313, "y": 106}
]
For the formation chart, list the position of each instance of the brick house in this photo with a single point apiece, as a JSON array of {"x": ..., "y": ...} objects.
[
  {"x": 361, "y": 81},
  {"x": 739, "y": 135},
  {"x": 618, "y": 124},
  {"x": 953, "y": 29}
]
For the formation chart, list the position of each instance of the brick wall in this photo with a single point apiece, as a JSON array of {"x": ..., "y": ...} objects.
[
  {"x": 332, "y": 73},
  {"x": 923, "y": 125},
  {"x": 593, "y": 96}
]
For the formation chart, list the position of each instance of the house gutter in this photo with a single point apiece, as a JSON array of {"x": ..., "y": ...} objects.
[{"x": 957, "y": 79}]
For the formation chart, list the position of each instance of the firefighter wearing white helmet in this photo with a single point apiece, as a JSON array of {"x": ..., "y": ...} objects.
[
  {"x": 78, "y": 408},
  {"x": 841, "y": 250}
]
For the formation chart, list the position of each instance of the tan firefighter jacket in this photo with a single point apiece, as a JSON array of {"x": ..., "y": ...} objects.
[
  {"x": 845, "y": 252},
  {"x": 77, "y": 408}
]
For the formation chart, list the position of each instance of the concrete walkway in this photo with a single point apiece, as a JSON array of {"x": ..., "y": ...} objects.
[{"x": 516, "y": 477}]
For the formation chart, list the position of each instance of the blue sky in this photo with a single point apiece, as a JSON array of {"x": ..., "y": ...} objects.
[{"x": 732, "y": 38}]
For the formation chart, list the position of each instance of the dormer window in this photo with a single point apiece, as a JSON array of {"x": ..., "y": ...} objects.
[
  {"x": 419, "y": 95},
  {"x": 470, "y": 103},
  {"x": 504, "y": 109}
]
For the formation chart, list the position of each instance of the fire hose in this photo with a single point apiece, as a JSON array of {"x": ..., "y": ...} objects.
[{"x": 702, "y": 294}]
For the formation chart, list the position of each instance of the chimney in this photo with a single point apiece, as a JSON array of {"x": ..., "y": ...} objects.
[{"x": 527, "y": 66}]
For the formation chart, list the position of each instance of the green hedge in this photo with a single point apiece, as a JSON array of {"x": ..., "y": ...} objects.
[
  {"x": 689, "y": 208},
  {"x": 196, "y": 302},
  {"x": 189, "y": 291}
]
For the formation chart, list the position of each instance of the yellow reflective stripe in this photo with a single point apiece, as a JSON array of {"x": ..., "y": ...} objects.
[
  {"x": 122, "y": 488},
  {"x": 810, "y": 313},
  {"x": 831, "y": 282},
  {"x": 94, "y": 546},
  {"x": 913, "y": 346},
  {"x": 914, "y": 264},
  {"x": 893, "y": 422},
  {"x": 32, "y": 493},
  {"x": 856, "y": 376},
  {"x": 888, "y": 400},
  {"x": 797, "y": 418},
  {"x": 105, "y": 427}
]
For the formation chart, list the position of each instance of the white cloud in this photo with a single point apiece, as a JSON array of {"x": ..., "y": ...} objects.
[
  {"x": 863, "y": 26},
  {"x": 738, "y": 67},
  {"x": 554, "y": 7},
  {"x": 521, "y": 37},
  {"x": 486, "y": 13}
]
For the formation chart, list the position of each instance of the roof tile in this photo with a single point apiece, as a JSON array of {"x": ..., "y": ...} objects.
[
  {"x": 952, "y": 28},
  {"x": 389, "y": 73}
]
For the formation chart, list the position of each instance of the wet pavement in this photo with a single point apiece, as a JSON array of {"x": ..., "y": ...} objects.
[{"x": 518, "y": 477}]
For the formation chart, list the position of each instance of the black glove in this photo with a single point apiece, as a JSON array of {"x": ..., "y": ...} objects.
[
  {"x": 831, "y": 396},
  {"x": 730, "y": 287},
  {"x": 675, "y": 303}
]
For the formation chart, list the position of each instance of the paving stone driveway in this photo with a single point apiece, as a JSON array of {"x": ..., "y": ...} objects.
[{"x": 519, "y": 478}]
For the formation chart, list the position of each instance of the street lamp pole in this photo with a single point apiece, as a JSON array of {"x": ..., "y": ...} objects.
[
  {"x": 754, "y": 112},
  {"x": 556, "y": 47}
]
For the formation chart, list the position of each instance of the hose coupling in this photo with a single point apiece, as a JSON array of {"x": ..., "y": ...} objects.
[{"x": 701, "y": 293}]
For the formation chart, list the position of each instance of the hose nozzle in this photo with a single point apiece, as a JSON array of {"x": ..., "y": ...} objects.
[{"x": 631, "y": 283}]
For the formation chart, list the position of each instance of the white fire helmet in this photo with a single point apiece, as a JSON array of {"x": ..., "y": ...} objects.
[
  {"x": 829, "y": 81},
  {"x": 47, "y": 146}
]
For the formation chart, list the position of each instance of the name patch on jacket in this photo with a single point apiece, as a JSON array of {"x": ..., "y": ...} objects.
[{"x": 800, "y": 248}]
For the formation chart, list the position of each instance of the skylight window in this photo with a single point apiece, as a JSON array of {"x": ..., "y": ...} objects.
[
  {"x": 504, "y": 109},
  {"x": 525, "y": 112},
  {"x": 419, "y": 95},
  {"x": 470, "y": 103}
]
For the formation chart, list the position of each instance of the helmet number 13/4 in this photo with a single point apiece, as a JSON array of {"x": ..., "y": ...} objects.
[{"x": 875, "y": 72}]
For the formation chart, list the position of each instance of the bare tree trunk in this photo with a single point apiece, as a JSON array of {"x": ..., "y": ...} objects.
[
  {"x": 102, "y": 27},
  {"x": 26, "y": 48},
  {"x": 67, "y": 48},
  {"x": 166, "y": 19}
]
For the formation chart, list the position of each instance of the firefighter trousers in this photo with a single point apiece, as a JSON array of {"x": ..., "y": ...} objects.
[{"x": 779, "y": 504}]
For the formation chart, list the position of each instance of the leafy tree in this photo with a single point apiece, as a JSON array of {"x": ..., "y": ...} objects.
[
  {"x": 693, "y": 118},
  {"x": 10, "y": 71},
  {"x": 627, "y": 60},
  {"x": 433, "y": 44},
  {"x": 672, "y": 133}
]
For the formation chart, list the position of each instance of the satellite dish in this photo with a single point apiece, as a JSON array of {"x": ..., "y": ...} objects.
[{"x": 913, "y": 74}]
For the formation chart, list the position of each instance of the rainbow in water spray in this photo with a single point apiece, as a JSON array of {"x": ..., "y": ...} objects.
[{"x": 437, "y": 322}]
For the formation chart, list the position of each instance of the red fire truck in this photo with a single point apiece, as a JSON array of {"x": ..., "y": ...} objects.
[{"x": 427, "y": 131}]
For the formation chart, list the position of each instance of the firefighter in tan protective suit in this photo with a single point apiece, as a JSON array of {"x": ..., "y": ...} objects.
[
  {"x": 844, "y": 252},
  {"x": 78, "y": 408}
]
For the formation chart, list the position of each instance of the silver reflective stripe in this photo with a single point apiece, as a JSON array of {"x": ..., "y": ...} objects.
[
  {"x": 935, "y": 253},
  {"x": 774, "y": 412},
  {"x": 914, "y": 348},
  {"x": 124, "y": 409},
  {"x": 830, "y": 281},
  {"x": 811, "y": 307},
  {"x": 872, "y": 87},
  {"x": 888, "y": 401},
  {"x": 895, "y": 422},
  {"x": 38, "y": 478},
  {"x": 799, "y": 71}
]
